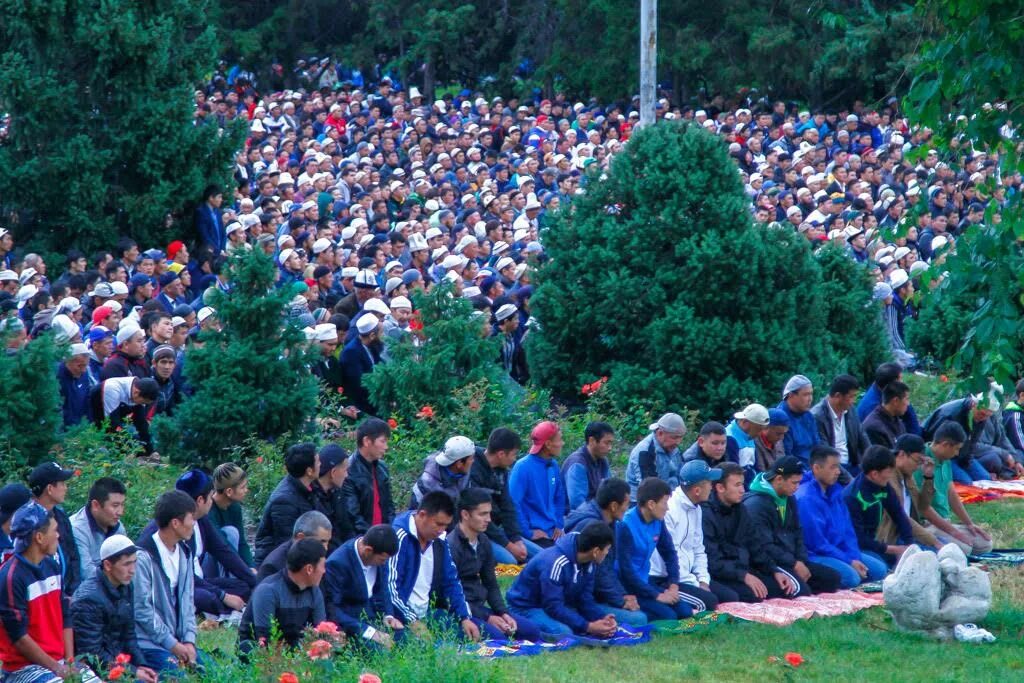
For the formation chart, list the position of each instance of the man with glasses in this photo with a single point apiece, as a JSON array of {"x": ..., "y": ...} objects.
[{"x": 915, "y": 500}]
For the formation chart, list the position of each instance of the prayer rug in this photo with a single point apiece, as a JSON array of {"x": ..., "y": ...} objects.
[
  {"x": 507, "y": 569},
  {"x": 782, "y": 612},
  {"x": 496, "y": 649},
  {"x": 703, "y": 621},
  {"x": 1000, "y": 557}
]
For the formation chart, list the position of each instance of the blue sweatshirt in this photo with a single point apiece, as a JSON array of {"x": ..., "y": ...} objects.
[
  {"x": 802, "y": 435},
  {"x": 635, "y": 542},
  {"x": 536, "y": 488},
  {"x": 554, "y": 582},
  {"x": 825, "y": 520}
]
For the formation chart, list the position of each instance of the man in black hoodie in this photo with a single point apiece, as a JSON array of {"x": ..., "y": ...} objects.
[
  {"x": 727, "y": 542},
  {"x": 777, "y": 541}
]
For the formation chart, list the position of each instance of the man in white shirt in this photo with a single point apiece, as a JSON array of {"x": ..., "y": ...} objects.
[
  {"x": 165, "y": 616},
  {"x": 839, "y": 426}
]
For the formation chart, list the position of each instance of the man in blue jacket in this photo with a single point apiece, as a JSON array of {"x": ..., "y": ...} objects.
[
  {"x": 585, "y": 469},
  {"x": 869, "y": 497},
  {"x": 828, "y": 532},
  {"x": 556, "y": 589},
  {"x": 75, "y": 387},
  {"x": 797, "y": 398},
  {"x": 641, "y": 534},
  {"x": 358, "y": 358},
  {"x": 209, "y": 223},
  {"x": 422, "y": 581},
  {"x": 355, "y": 590},
  {"x": 537, "y": 489},
  {"x": 609, "y": 507}
]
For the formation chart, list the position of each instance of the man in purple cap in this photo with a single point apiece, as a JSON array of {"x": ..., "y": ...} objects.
[{"x": 536, "y": 487}]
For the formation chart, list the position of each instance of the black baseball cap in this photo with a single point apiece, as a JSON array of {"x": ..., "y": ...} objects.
[
  {"x": 785, "y": 466},
  {"x": 46, "y": 474}
]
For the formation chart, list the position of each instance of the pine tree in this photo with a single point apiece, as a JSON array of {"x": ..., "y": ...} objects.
[
  {"x": 853, "y": 319},
  {"x": 251, "y": 378},
  {"x": 447, "y": 364},
  {"x": 102, "y": 140},
  {"x": 30, "y": 417},
  {"x": 659, "y": 280}
]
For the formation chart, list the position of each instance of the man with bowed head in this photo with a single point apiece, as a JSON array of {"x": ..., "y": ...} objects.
[
  {"x": 657, "y": 454},
  {"x": 102, "y": 609},
  {"x": 797, "y": 398}
]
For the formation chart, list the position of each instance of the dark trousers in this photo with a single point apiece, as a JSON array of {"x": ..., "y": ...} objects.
[
  {"x": 823, "y": 579},
  {"x": 744, "y": 593},
  {"x": 696, "y": 597},
  {"x": 207, "y": 601}
]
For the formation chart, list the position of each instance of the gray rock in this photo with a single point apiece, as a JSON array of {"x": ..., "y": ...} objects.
[{"x": 930, "y": 593}]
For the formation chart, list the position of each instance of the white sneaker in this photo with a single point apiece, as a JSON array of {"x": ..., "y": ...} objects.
[{"x": 970, "y": 633}]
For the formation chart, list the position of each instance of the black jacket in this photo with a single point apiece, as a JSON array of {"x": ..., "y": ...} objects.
[
  {"x": 775, "y": 542},
  {"x": 275, "y": 561},
  {"x": 120, "y": 365},
  {"x": 856, "y": 437},
  {"x": 357, "y": 493},
  {"x": 288, "y": 501},
  {"x": 476, "y": 573},
  {"x": 883, "y": 429},
  {"x": 103, "y": 618},
  {"x": 958, "y": 411},
  {"x": 71, "y": 562},
  {"x": 726, "y": 540},
  {"x": 334, "y": 508},
  {"x": 504, "y": 526}
]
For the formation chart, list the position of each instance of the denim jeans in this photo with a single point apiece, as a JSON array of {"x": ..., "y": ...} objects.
[
  {"x": 624, "y": 616},
  {"x": 974, "y": 471},
  {"x": 848, "y": 576},
  {"x": 542, "y": 621},
  {"x": 503, "y": 556}
]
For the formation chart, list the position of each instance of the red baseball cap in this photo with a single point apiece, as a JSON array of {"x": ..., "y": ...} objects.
[
  {"x": 541, "y": 434},
  {"x": 542, "y": 118}
]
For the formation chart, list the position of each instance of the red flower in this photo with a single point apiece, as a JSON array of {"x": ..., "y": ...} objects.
[
  {"x": 326, "y": 628},
  {"x": 794, "y": 659},
  {"x": 393, "y": 423},
  {"x": 603, "y": 380},
  {"x": 426, "y": 413},
  {"x": 943, "y": 378},
  {"x": 259, "y": 458},
  {"x": 341, "y": 390},
  {"x": 587, "y": 390},
  {"x": 78, "y": 473},
  {"x": 288, "y": 677},
  {"x": 415, "y": 325},
  {"x": 123, "y": 658},
  {"x": 319, "y": 649},
  {"x": 116, "y": 673},
  {"x": 369, "y": 678}
]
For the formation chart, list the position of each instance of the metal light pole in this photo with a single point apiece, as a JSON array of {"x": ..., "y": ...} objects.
[{"x": 648, "y": 60}]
